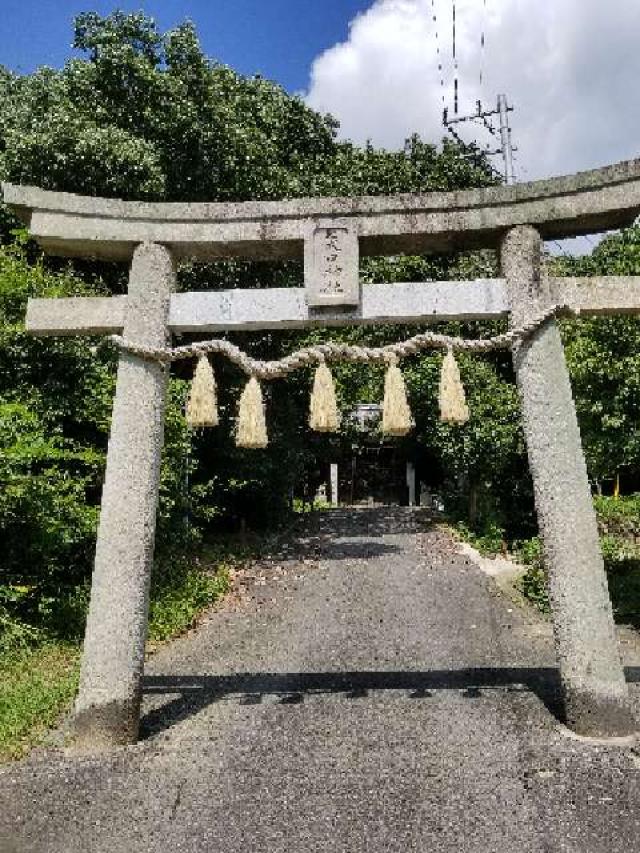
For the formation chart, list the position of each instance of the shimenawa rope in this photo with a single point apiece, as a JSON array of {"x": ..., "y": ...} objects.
[
  {"x": 397, "y": 420},
  {"x": 334, "y": 351}
]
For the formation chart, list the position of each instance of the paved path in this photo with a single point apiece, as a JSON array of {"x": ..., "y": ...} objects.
[{"x": 384, "y": 698}]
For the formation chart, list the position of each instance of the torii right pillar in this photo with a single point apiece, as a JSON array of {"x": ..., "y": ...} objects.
[{"x": 595, "y": 692}]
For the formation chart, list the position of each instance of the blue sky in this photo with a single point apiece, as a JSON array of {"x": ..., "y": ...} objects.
[{"x": 276, "y": 38}]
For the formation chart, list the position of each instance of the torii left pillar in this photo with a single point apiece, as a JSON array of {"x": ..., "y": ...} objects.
[{"x": 108, "y": 705}]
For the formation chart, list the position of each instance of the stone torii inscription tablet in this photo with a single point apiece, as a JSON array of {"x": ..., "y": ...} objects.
[
  {"x": 331, "y": 234},
  {"x": 331, "y": 263}
]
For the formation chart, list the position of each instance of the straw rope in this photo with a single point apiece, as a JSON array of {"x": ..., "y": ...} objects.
[{"x": 333, "y": 351}]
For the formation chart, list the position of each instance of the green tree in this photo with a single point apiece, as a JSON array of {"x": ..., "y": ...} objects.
[{"x": 603, "y": 354}]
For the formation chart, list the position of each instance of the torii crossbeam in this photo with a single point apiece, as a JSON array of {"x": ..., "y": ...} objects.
[{"x": 330, "y": 234}]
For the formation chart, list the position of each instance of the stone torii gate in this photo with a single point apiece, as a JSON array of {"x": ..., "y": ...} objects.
[{"x": 330, "y": 234}]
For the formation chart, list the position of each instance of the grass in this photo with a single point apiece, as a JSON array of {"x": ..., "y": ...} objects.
[
  {"x": 181, "y": 596},
  {"x": 36, "y": 687},
  {"x": 489, "y": 541},
  {"x": 39, "y": 672}
]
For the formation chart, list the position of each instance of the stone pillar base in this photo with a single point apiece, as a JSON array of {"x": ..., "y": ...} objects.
[
  {"x": 98, "y": 728},
  {"x": 592, "y": 712}
]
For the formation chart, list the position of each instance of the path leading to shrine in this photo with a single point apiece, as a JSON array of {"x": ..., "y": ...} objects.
[{"x": 367, "y": 689}]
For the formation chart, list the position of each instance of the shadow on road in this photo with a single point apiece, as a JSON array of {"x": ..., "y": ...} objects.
[
  {"x": 356, "y": 550},
  {"x": 198, "y": 691},
  {"x": 356, "y": 521}
]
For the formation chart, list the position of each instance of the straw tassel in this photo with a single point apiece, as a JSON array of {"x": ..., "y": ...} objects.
[
  {"x": 396, "y": 414},
  {"x": 252, "y": 426},
  {"x": 453, "y": 404},
  {"x": 323, "y": 409},
  {"x": 202, "y": 405}
]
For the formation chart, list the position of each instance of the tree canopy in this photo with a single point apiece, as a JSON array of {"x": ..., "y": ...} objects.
[{"x": 147, "y": 115}]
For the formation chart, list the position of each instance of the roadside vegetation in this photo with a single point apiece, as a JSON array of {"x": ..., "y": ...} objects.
[
  {"x": 619, "y": 527},
  {"x": 39, "y": 658}
]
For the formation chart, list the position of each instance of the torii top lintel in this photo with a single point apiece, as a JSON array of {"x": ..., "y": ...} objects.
[{"x": 587, "y": 202}]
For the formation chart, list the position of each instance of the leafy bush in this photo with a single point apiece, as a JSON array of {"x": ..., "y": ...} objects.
[
  {"x": 529, "y": 551},
  {"x": 488, "y": 539},
  {"x": 181, "y": 589},
  {"x": 618, "y": 516},
  {"x": 622, "y": 565},
  {"x": 534, "y": 582},
  {"x": 316, "y": 505}
]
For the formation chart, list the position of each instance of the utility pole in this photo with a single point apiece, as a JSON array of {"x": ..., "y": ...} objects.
[
  {"x": 505, "y": 138},
  {"x": 484, "y": 117}
]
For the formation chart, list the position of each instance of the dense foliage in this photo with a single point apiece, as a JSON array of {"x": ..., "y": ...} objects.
[{"x": 604, "y": 360}]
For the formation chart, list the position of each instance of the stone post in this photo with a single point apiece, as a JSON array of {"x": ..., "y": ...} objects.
[
  {"x": 411, "y": 483},
  {"x": 108, "y": 703},
  {"x": 333, "y": 477},
  {"x": 595, "y": 692}
]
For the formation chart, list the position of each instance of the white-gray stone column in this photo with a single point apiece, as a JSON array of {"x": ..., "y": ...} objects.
[
  {"x": 411, "y": 483},
  {"x": 595, "y": 692},
  {"x": 333, "y": 478},
  {"x": 108, "y": 703}
]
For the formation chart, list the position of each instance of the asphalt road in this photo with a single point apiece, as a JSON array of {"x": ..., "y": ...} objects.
[{"x": 367, "y": 689}]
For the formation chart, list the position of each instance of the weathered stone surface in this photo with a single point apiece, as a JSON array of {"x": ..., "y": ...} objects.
[
  {"x": 598, "y": 295},
  {"x": 88, "y": 315},
  {"x": 107, "y": 708},
  {"x": 595, "y": 691},
  {"x": 331, "y": 265},
  {"x": 592, "y": 201},
  {"x": 286, "y": 308},
  {"x": 271, "y": 308}
]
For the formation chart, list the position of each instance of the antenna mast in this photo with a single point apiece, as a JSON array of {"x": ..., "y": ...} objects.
[
  {"x": 506, "y": 148},
  {"x": 503, "y": 133}
]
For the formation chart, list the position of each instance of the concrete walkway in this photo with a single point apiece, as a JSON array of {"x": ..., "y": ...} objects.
[{"x": 386, "y": 697}]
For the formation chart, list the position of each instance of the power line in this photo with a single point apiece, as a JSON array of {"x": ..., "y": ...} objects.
[
  {"x": 482, "y": 43},
  {"x": 562, "y": 249},
  {"x": 438, "y": 53},
  {"x": 482, "y": 117},
  {"x": 505, "y": 149},
  {"x": 473, "y": 152},
  {"x": 455, "y": 61}
]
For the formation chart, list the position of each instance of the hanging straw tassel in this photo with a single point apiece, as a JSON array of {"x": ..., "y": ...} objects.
[
  {"x": 202, "y": 405},
  {"x": 252, "y": 426},
  {"x": 323, "y": 409},
  {"x": 453, "y": 404},
  {"x": 396, "y": 414}
]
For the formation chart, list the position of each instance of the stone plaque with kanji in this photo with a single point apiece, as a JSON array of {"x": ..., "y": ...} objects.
[{"x": 331, "y": 267}]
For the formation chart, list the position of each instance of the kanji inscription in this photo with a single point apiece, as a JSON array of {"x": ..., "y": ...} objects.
[{"x": 331, "y": 267}]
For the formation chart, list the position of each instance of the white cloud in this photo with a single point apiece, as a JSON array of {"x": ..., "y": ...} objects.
[{"x": 570, "y": 67}]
